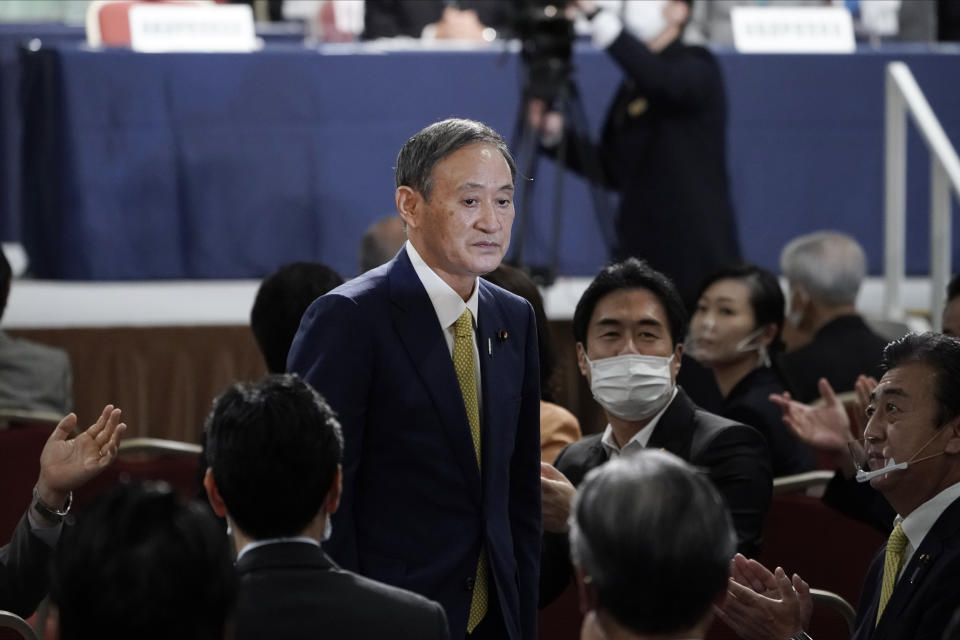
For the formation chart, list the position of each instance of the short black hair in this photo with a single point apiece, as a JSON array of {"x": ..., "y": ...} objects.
[
  {"x": 941, "y": 353},
  {"x": 421, "y": 153},
  {"x": 274, "y": 447},
  {"x": 142, "y": 563},
  {"x": 953, "y": 287},
  {"x": 631, "y": 273},
  {"x": 766, "y": 297},
  {"x": 282, "y": 299},
  {"x": 516, "y": 281},
  {"x": 655, "y": 538}
]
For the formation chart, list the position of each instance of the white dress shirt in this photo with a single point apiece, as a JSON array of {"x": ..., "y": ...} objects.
[
  {"x": 449, "y": 306},
  {"x": 917, "y": 525},
  {"x": 639, "y": 439}
]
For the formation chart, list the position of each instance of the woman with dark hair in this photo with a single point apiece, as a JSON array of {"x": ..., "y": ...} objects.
[
  {"x": 735, "y": 332},
  {"x": 558, "y": 427}
]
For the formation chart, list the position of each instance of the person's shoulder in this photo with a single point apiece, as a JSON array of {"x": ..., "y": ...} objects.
[
  {"x": 387, "y": 599},
  {"x": 36, "y": 352},
  {"x": 575, "y": 453},
  {"x": 712, "y": 429},
  {"x": 555, "y": 414},
  {"x": 506, "y": 298}
]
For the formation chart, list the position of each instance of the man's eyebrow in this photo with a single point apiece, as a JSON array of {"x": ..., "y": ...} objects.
[
  {"x": 643, "y": 322},
  {"x": 477, "y": 185}
]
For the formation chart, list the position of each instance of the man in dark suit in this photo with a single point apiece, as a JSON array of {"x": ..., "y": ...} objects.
[
  {"x": 433, "y": 373},
  {"x": 824, "y": 271},
  {"x": 65, "y": 464},
  {"x": 663, "y": 145},
  {"x": 274, "y": 452},
  {"x": 628, "y": 326},
  {"x": 913, "y": 586}
]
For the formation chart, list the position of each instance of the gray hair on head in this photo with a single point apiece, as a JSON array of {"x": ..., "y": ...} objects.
[
  {"x": 421, "y": 153},
  {"x": 655, "y": 538},
  {"x": 830, "y": 265}
]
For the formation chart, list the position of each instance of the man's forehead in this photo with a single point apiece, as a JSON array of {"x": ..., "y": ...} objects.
[
  {"x": 911, "y": 379},
  {"x": 634, "y": 305}
]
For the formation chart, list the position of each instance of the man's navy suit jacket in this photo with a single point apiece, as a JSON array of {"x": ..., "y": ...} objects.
[
  {"x": 416, "y": 510},
  {"x": 927, "y": 593}
]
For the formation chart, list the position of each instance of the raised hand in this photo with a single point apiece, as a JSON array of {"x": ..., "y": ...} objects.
[{"x": 67, "y": 463}]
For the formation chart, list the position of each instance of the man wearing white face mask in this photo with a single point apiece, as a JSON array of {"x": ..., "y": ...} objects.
[
  {"x": 663, "y": 144},
  {"x": 913, "y": 586},
  {"x": 628, "y": 326}
]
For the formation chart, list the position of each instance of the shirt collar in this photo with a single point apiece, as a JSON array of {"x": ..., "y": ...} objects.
[
  {"x": 918, "y": 524},
  {"x": 446, "y": 302},
  {"x": 262, "y": 543},
  {"x": 640, "y": 438}
]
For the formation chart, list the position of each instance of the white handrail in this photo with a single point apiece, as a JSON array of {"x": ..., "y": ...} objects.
[{"x": 904, "y": 96}]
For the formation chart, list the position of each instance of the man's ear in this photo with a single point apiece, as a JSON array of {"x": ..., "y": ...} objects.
[
  {"x": 677, "y": 361},
  {"x": 953, "y": 442},
  {"x": 585, "y": 591},
  {"x": 213, "y": 494},
  {"x": 409, "y": 204},
  {"x": 332, "y": 501},
  {"x": 582, "y": 361}
]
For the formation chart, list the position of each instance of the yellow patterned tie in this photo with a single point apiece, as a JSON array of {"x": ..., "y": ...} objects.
[
  {"x": 892, "y": 561},
  {"x": 463, "y": 363}
]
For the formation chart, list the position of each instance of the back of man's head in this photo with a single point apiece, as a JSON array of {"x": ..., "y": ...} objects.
[
  {"x": 381, "y": 241},
  {"x": 830, "y": 266},
  {"x": 140, "y": 563},
  {"x": 281, "y": 300},
  {"x": 631, "y": 273},
  {"x": 274, "y": 448},
  {"x": 654, "y": 540}
]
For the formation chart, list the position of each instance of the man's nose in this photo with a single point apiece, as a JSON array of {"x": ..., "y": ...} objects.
[
  {"x": 629, "y": 348},
  {"x": 488, "y": 220}
]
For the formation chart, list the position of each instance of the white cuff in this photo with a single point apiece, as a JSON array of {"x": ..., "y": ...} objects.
[{"x": 606, "y": 27}]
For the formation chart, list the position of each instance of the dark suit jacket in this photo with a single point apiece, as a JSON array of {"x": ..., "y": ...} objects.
[
  {"x": 23, "y": 571},
  {"x": 927, "y": 593},
  {"x": 734, "y": 455},
  {"x": 293, "y": 590},
  {"x": 749, "y": 403},
  {"x": 840, "y": 351},
  {"x": 663, "y": 147},
  {"x": 415, "y": 511}
]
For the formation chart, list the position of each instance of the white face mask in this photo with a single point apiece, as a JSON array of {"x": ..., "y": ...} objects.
[
  {"x": 645, "y": 19},
  {"x": 631, "y": 387}
]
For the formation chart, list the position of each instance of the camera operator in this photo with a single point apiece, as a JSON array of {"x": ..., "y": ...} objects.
[{"x": 663, "y": 144}]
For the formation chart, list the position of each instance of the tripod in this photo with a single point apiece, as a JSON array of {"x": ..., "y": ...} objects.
[{"x": 566, "y": 101}]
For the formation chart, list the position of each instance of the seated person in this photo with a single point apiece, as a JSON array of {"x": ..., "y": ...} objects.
[
  {"x": 657, "y": 568},
  {"x": 735, "y": 332},
  {"x": 558, "y": 427},
  {"x": 628, "y": 326},
  {"x": 142, "y": 564},
  {"x": 824, "y": 271},
  {"x": 281, "y": 300},
  {"x": 913, "y": 585},
  {"x": 65, "y": 464},
  {"x": 33, "y": 377},
  {"x": 437, "y": 19},
  {"x": 274, "y": 451}
]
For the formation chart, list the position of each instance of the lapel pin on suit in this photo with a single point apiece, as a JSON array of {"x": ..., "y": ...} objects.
[
  {"x": 502, "y": 336},
  {"x": 922, "y": 562}
]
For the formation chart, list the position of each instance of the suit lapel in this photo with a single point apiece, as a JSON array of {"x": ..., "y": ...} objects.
[
  {"x": 416, "y": 323},
  {"x": 674, "y": 432},
  {"x": 921, "y": 564}
]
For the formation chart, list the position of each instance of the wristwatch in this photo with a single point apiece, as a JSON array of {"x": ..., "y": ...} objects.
[{"x": 49, "y": 513}]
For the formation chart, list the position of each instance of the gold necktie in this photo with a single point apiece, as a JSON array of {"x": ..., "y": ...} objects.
[
  {"x": 892, "y": 561},
  {"x": 466, "y": 375}
]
